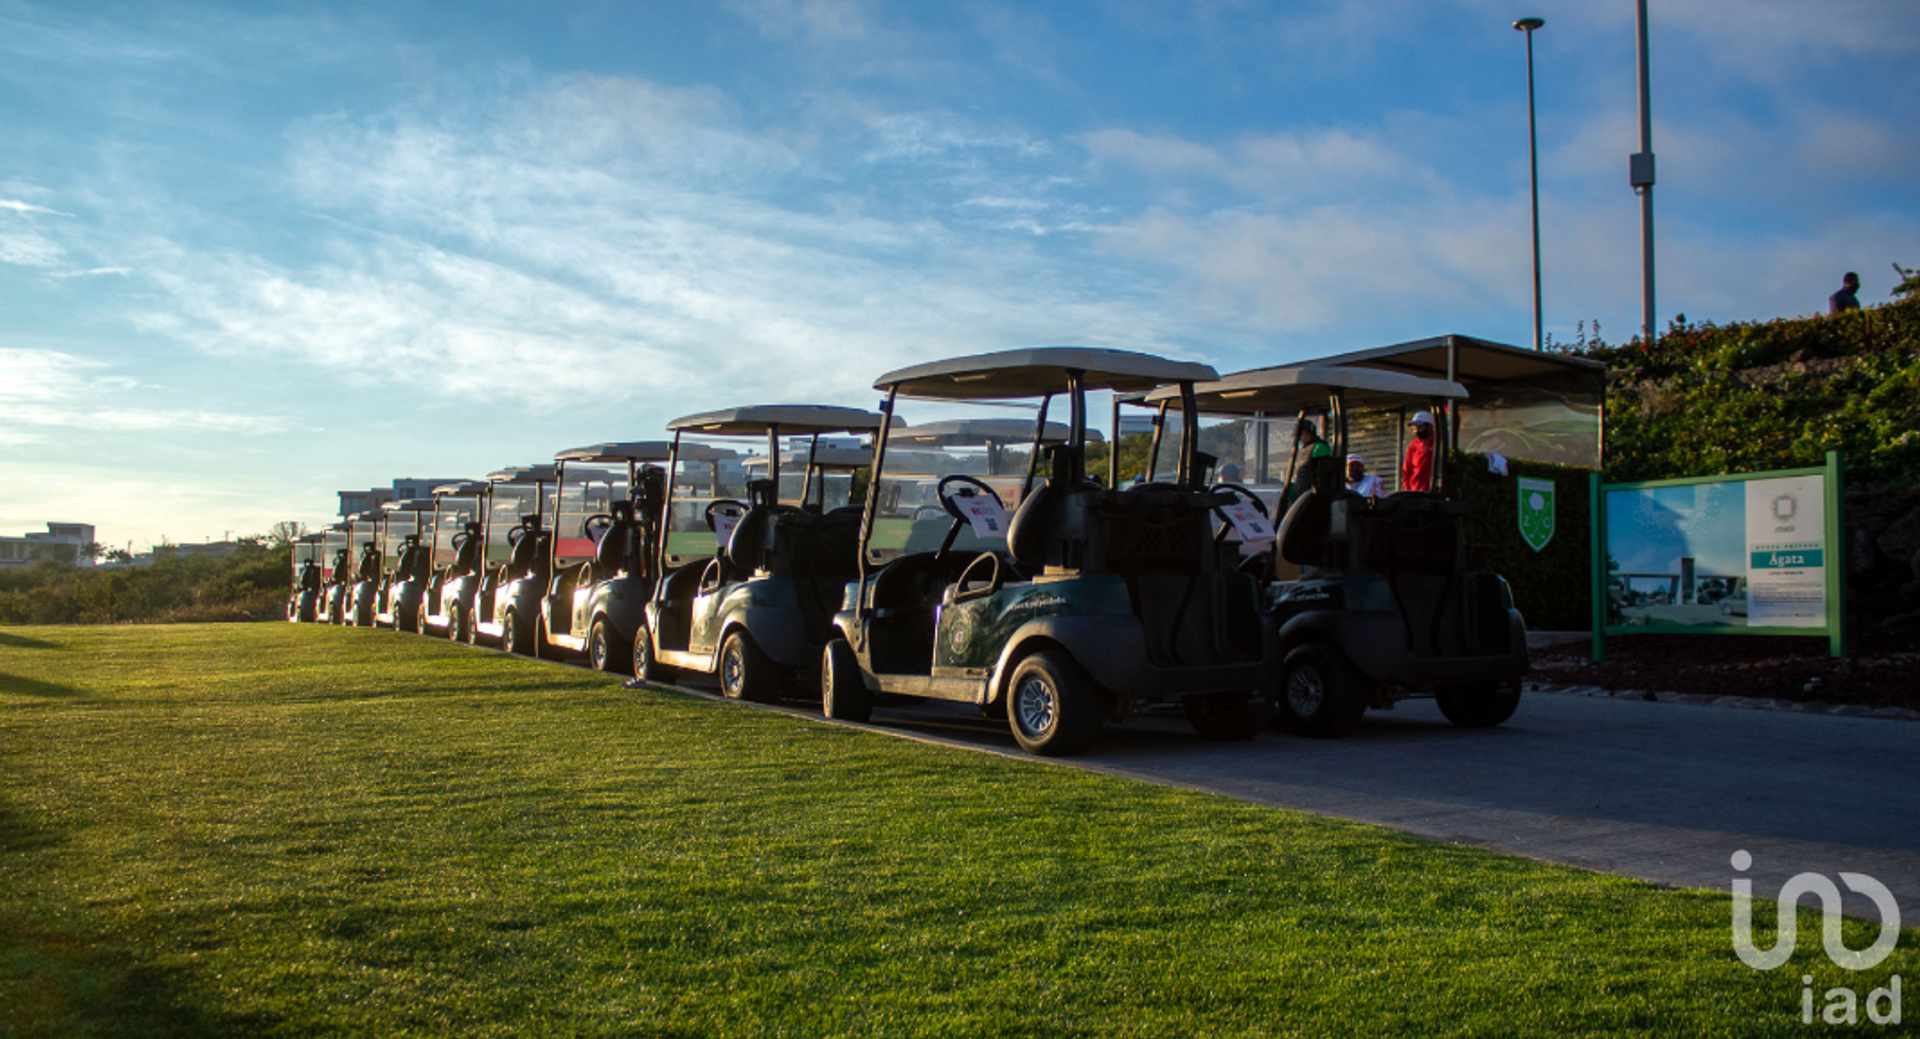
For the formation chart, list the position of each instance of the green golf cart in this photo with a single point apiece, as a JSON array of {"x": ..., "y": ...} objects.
[{"x": 1079, "y": 604}]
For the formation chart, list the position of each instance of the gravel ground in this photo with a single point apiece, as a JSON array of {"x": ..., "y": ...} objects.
[{"x": 1877, "y": 674}]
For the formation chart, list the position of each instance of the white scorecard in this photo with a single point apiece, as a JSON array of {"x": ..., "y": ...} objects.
[
  {"x": 984, "y": 512},
  {"x": 723, "y": 524},
  {"x": 1247, "y": 520}
]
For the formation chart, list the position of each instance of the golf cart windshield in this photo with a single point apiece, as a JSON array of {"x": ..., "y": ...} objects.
[
  {"x": 333, "y": 541},
  {"x": 583, "y": 495},
  {"x": 459, "y": 505},
  {"x": 403, "y": 520},
  {"x": 982, "y": 462},
  {"x": 715, "y": 483},
  {"x": 519, "y": 494}
]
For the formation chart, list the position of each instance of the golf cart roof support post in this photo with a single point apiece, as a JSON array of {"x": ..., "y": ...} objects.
[
  {"x": 773, "y": 458},
  {"x": 806, "y": 478},
  {"x": 559, "y": 492},
  {"x": 1189, "y": 436},
  {"x": 1337, "y": 423},
  {"x": 1076, "y": 409},
  {"x": 1113, "y": 447},
  {"x": 666, "y": 507},
  {"x": 1033, "y": 450},
  {"x": 862, "y": 603},
  {"x": 1153, "y": 449}
]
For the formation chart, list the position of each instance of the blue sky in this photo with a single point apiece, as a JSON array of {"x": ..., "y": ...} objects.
[{"x": 251, "y": 254}]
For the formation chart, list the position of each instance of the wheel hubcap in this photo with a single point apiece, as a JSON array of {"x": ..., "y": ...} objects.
[
  {"x": 1305, "y": 691},
  {"x": 732, "y": 669},
  {"x": 1034, "y": 706},
  {"x": 598, "y": 650}
]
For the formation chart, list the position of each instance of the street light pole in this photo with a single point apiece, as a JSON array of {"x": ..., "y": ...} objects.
[
  {"x": 1528, "y": 25},
  {"x": 1640, "y": 173}
]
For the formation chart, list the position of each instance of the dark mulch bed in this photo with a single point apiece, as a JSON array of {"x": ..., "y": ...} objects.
[{"x": 1880, "y": 672}]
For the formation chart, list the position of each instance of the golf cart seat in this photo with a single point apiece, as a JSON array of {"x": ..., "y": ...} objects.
[
  {"x": 415, "y": 562},
  {"x": 615, "y": 548},
  {"x": 1049, "y": 526}
]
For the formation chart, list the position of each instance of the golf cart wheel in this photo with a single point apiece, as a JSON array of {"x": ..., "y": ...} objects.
[
  {"x": 515, "y": 637},
  {"x": 645, "y": 667},
  {"x": 1478, "y": 705},
  {"x": 1321, "y": 693},
  {"x": 457, "y": 630},
  {"x": 1052, "y": 707},
  {"x": 601, "y": 655},
  {"x": 1228, "y": 716},
  {"x": 745, "y": 672},
  {"x": 843, "y": 691}
]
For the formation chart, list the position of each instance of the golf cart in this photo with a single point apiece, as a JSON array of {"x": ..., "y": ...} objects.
[
  {"x": 364, "y": 580},
  {"x": 748, "y": 590},
  {"x": 507, "y": 606},
  {"x": 334, "y": 570},
  {"x": 309, "y": 578},
  {"x": 602, "y": 562},
  {"x": 407, "y": 564},
  {"x": 1081, "y": 604},
  {"x": 458, "y": 547},
  {"x": 1374, "y": 600}
]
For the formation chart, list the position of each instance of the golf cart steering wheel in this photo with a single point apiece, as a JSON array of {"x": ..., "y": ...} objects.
[
  {"x": 739, "y": 509},
  {"x": 1241, "y": 494},
  {"x": 460, "y": 540},
  {"x": 601, "y": 520},
  {"x": 946, "y": 490},
  {"x": 514, "y": 534}
]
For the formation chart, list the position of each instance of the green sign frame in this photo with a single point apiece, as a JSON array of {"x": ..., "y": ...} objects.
[{"x": 1835, "y": 560}]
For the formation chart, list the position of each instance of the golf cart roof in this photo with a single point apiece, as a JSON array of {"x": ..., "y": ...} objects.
[
  {"x": 791, "y": 419},
  {"x": 617, "y": 451},
  {"x": 525, "y": 474},
  {"x": 1287, "y": 389},
  {"x": 312, "y": 539},
  {"x": 462, "y": 489},
  {"x": 846, "y": 458},
  {"x": 1464, "y": 359},
  {"x": 408, "y": 505},
  {"x": 1039, "y": 371},
  {"x": 973, "y": 432}
]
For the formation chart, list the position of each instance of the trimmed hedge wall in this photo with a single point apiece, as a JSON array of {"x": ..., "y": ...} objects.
[{"x": 1552, "y": 587}]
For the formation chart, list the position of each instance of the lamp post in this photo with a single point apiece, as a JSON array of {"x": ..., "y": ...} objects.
[
  {"x": 1528, "y": 25},
  {"x": 1640, "y": 174}
]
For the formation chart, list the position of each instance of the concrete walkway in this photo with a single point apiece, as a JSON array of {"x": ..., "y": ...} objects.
[{"x": 1661, "y": 791}]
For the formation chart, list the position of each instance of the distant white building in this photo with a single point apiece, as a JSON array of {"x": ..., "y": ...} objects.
[
  {"x": 402, "y": 489},
  {"x": 62, "y": 541}
]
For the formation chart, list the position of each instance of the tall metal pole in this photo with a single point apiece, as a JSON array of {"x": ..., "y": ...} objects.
[
  {"x": 1528, "y": 25},
  {"x": 1640, "y": 172}
]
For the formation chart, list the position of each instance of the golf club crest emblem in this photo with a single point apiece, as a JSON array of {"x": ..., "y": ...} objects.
[{"x": 1536, "y": 512}]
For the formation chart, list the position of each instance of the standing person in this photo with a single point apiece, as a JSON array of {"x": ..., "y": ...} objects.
[
  {"x": 1416, "y": 471},
  {"x": 1846, "y": 299},
  {"x": 1309, "y": 449},
  {"x": 1361, "y": 482}
]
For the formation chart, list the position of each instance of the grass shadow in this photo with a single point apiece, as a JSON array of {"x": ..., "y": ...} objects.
[
  {"x": 23, "y": 686},
  {"x": 13, "y": 641},
  {"x": 71, "y": 985}
]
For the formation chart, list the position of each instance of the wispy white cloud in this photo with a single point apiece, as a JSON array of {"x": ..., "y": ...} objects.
[
  {"x": 93, "y": 272},
  {"x": 27, "y": 207},
  {"x": 42, "y": 389}
]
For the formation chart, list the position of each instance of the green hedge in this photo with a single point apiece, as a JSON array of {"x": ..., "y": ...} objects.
[{"x": 1552, "y": 587}]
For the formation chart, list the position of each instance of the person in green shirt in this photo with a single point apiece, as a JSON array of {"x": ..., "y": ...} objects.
[{"x": 1308, "y": 452}]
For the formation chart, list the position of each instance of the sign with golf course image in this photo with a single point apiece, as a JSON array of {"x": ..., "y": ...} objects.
[
  {"x": 1536, "y": 512},
  {"x": 1744, "y": 553}
]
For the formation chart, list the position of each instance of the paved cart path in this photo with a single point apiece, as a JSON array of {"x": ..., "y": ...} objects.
[{"x": 1663, "y": 792}]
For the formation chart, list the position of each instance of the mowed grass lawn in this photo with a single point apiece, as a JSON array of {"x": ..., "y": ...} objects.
[{"x": 280, "y": 830}]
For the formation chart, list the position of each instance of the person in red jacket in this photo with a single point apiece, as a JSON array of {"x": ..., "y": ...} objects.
[{"x": 1416, "y": 470}]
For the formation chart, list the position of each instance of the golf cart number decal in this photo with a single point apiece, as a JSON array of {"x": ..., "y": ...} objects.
[{"x": 984, "y": 512}]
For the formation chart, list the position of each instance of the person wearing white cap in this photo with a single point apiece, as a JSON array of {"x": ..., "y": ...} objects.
[
  {"x": 1416, "y": 471},
  {"x": 1361, "y": 482}
]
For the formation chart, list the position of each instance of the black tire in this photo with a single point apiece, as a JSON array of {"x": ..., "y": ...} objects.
[
  {"x": 515, "y": 637},
  {"x": 459, "y": 624},
  {"x": 1052, "y": 707},
  {"x": 746, "y": 673},
  {"x": 1321, "y": 693},
  {"x": 1228, "y": 716},
  {"x": 843, "y": 690},
  {"x": 603, "y": 651},
  {"x": 645, "y": 667},
  {"x": 1478, "y": 705}
]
